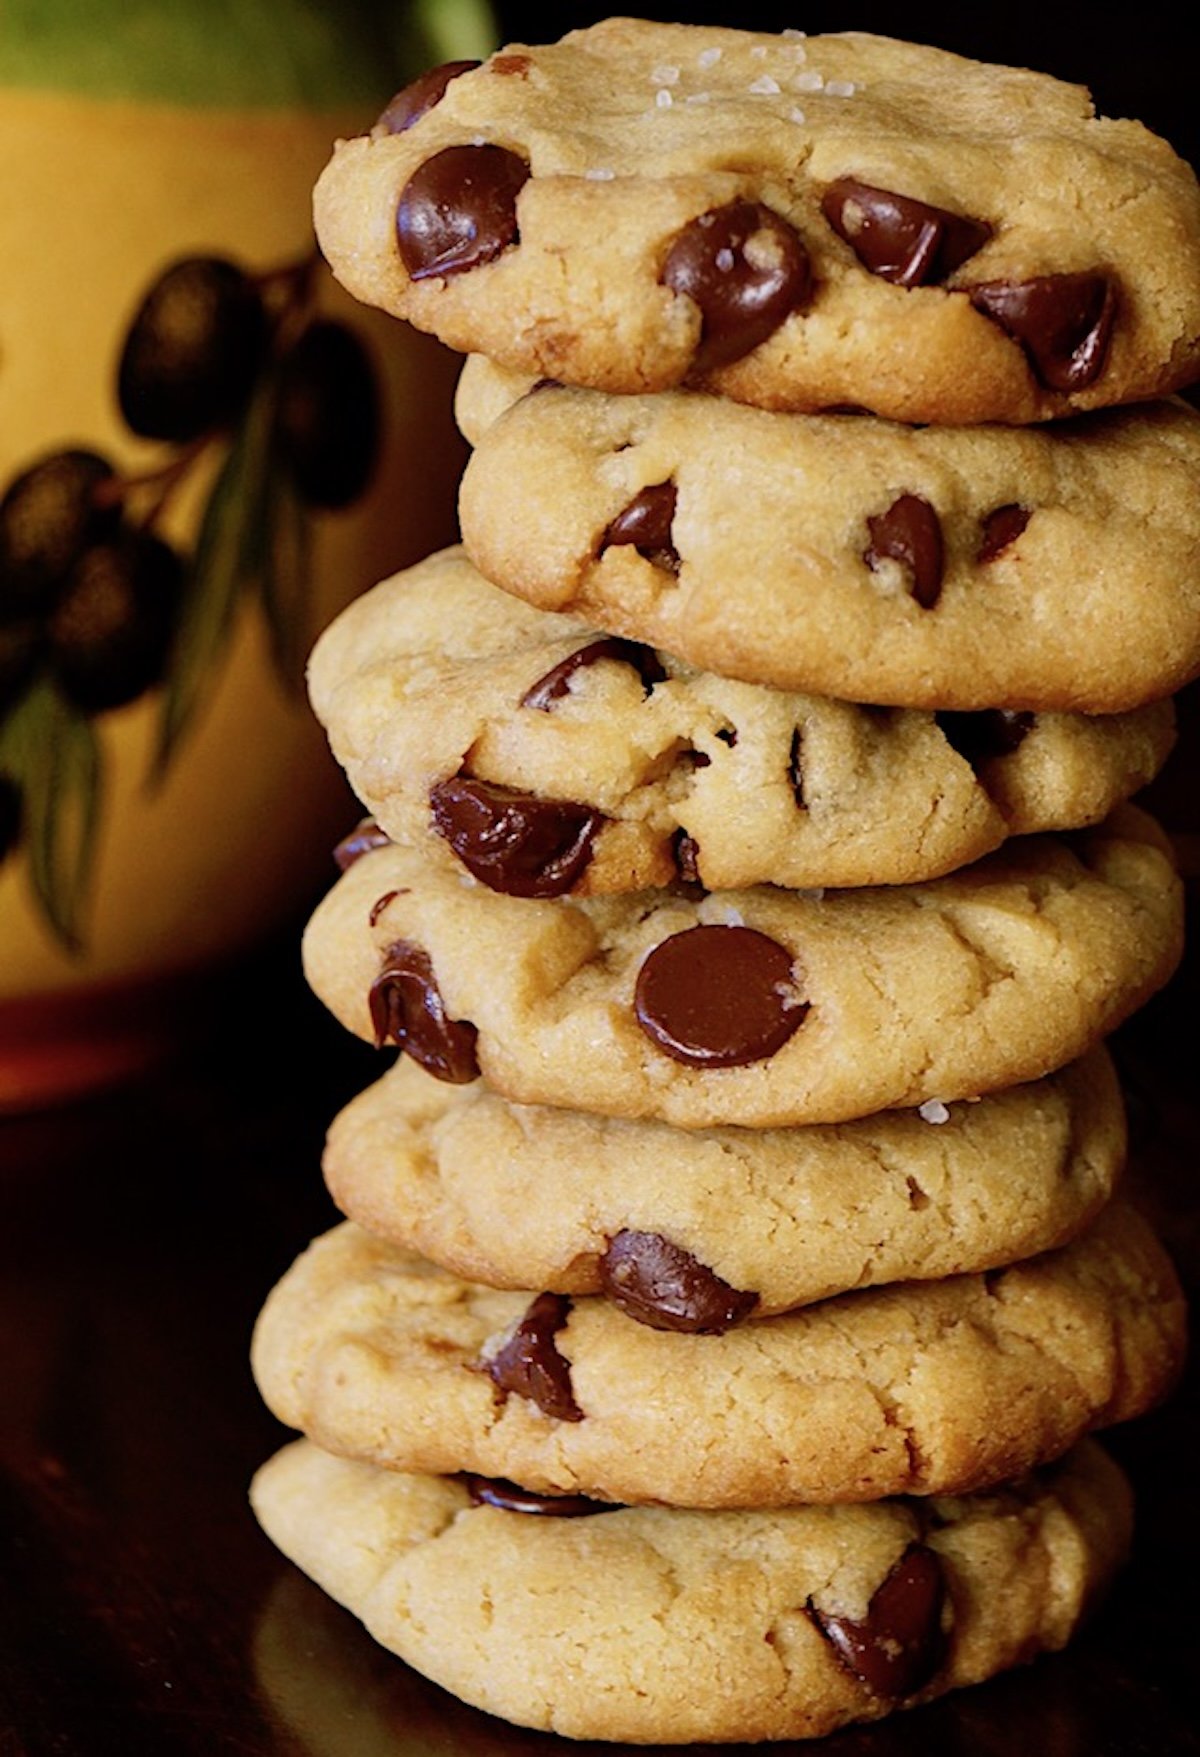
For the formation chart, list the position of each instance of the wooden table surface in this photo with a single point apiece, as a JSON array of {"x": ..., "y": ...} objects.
[{"x": 142, "y": 1612}]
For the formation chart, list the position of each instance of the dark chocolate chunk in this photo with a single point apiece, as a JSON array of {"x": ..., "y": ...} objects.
[
  {"x": 664, "y": 1286},
  {"x": 557, "y": 682},
  {"x": 381, "y": 903},
  {"x": 529, "y": 1365},
  {"x": 407, "y": 1009},
  {"x": 718, "y": 997},
  {"x": 646, "y": 524},
  {"x": 1000, "y": 528},
  {"x": 364, "y": 838},
  {"x": 1063, "y": 322},
  {"x": 459, "y": 210},
  {"x": 410, "y": 104},
  {"x": 746, "y": 269},
  {"x": 990, "y": 732},
  {"x": 898, "y": 1646},
  {"x": 510, "y": 1497},
  {"x": 515, "y": 842},
  {"x": 687, "y": 857},
  {"x": 910, "y": 532},
  {"x": 899, "y": 238}
]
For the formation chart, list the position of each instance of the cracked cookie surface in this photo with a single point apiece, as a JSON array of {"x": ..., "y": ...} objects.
[
  {"x": 935, "y": 568},
  {"x": 758, "y": 1007},
  {"x": 547, "y": 757},
  {"x": 604, "y": 1627},
  {"x": 793, "y": 223},
  {"x": 522, "y": 1196},
  {"x": 925, "y": 1388}
]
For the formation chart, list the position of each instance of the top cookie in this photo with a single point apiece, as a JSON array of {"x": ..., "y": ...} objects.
[{"x": 793, "y": 222}]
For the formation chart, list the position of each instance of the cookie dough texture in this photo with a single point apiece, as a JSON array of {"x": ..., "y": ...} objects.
[
  {"x": 923, "y": 1388},
  {"x": 995, "y": 975},
  {"x": 1094, "y": 606},
  {"x": 424, "y": 679},
  {"x": 655, "y": 1625},
  {"x": 521, "y": 1196},
  {"x": 634, "y": 130}
]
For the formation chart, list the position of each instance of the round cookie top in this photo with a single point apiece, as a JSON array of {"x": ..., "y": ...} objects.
[
  {"x": 794, "y": 222},
  {"x": 759, "y": 1007},
  {"x": 698, "y": 1231},
  {"x": 987, "y": 567},
  {"x": 545, "y": 757},
  {"x": 925, "y": 1387},
  {"x": 822, "y": 1615}
]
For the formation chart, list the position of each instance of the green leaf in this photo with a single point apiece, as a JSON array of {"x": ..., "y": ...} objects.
[
  {"x": 286, "y": 579},
  {"x": 231, "y": 549},
  {"x": 49, "y": 749}
]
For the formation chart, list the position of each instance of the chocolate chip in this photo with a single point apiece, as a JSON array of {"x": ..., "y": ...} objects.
[
  {"x": 910, "y": 533},
  {"x": 687, "y": 857},
  {"x": 1063, "y": 322},
  {"x": 407, "y": 1009},
  {"x": 459, "y": 210},
  {"x": 795, "y": 770},
  {"x": 512, "y": 65},
  {"x": 1000, "y": 528},
  {"x": 899, "y": 238},
  {"x": 898, "y": 1646},
  {"x": 364, "y": 838},
  {"x": 746, "y": 269},
  {"x": 992, "y": 732},
  {"x": 664, "y": 1286},
  {"x": 497, "y": 1491},
  {"x": 529, "y": 1365},
  {"x": 646, "y": 524},
  {"x": 380, "y": 904},
  {"x": 515, "y": 842},
  {"x": 718, "y": 997},
  {"x": 557, "y": 682},
  {"x": 410, "y": 104}
]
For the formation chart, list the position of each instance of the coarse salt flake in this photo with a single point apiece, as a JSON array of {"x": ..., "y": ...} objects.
[
  {"x": 759, "y": 51},
  {"x": 663, "y": 98},
  {"x": 665, "y": 76},
  {"x": 724, "y": 259},
  {"x": 600, "y": 174},
  {"x": 708, "y": 57},
  {"x": 764, "y": 85},
  {"x": 698, "y": 98},
  {"x": 812, "y": 81},
  {"x": 933, "y": 1111},
  {"x": 798, "y": 115},
  {"x": 841, "y": 88},
  {"x": 793, "y": 35}
]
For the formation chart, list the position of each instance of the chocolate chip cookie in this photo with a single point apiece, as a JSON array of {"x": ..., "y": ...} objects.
[
  {"x": 681, "y": 1228},
  {"x": 794, "y": 222},
  {"x": 544, "y": 757},
  {"x": 759, "y": 1007},
  {"x": 654, "y": 1624},
  {"x": 940, "y": 568},
  {"x": 926, "y": 1387}
]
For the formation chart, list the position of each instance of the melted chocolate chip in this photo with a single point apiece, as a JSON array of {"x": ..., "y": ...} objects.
[
  {"x": 898, "y": 1646},
  {"x": 364, "y": 838},
  {"x": 459, "y": 210},
  {"x": 718, "y": 997},
  {"x": 978, "y": 737},
  {"x": 557, "y": 682},
  {"x": 410, "y": 104},
  {"x": 746, "y": 269},
  {"x": 512, "y": 65},
  {"x": 1063, "y": 322},
  {"x": 795, "y": 768},
  {"x": 899, "y": 238},
  {"x": 910, "y": 533},
  {"x": 1000, "y": 528},
  {"x": 664, "y": 1286},
  {"x": 687, "y": 857},
  {"x": 529, "y": 1364},
  {"x": 380, "y": 904},
  {"x": 497, "y": 1491},
  {"x": 515, "y": 842},
  {"x": 646, "y": 524},
  {"x": 407, "y": 1009}
]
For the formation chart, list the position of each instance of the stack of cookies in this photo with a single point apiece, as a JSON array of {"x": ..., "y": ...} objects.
[{"x": 734, "y": 1263}]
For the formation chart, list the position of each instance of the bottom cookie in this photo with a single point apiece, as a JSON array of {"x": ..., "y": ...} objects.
[{"x": 654, "y": 1625}]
